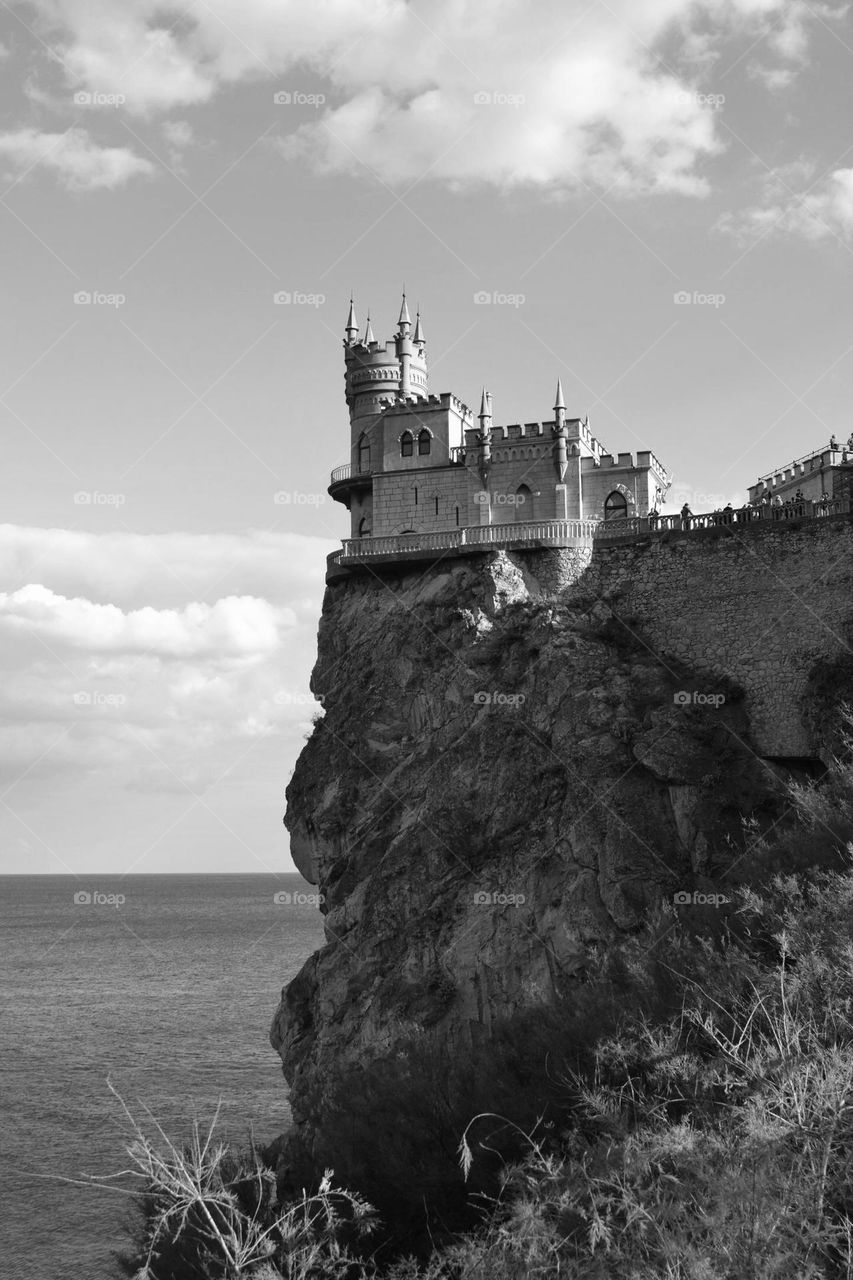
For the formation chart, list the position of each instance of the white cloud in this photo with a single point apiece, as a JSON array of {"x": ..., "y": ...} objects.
[
  {"x": 400, "y": 79},
  {"x": 80, "y": 162},
  {"x": 821, "y": 212},
  {"x": 166, "y": 569},
  {"x": 96, "y": 680},
  {"x": 237, "y": 626}
]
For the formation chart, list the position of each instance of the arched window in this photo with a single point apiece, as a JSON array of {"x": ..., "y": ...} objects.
[
  {"x": 424, "y": 442},
  {"x": 615, "y": 506},
  {"x": 457, "y": 515},
  {"x": 523, "y": 509},
  {"x": 436, "y": 506},
  {"x": 407, "y": 444},
  {"x": 416, "y": 495},
  {"x": 364, "y": 527},
  {"x": 363, "y": 453}
]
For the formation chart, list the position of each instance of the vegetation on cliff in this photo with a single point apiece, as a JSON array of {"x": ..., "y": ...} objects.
[{"x": 688, "y": 1115}]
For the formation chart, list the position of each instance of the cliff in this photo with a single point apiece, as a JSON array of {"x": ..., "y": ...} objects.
[{"x": 503, "y": 779}]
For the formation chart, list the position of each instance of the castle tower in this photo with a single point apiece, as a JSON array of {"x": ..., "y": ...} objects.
[{"x": 377, "y": 372}]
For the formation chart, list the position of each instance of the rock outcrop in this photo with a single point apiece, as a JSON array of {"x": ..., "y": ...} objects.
[{"x": 503, "y": 778}]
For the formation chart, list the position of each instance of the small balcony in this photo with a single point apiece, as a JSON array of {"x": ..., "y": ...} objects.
[{"x": 346, "y": 478}]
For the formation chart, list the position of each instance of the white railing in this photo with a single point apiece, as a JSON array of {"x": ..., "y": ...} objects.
[
  {"x": 555, "y": 532},
  {"x": 750, "y": 515},
  {"x": 568, "y": 533}
]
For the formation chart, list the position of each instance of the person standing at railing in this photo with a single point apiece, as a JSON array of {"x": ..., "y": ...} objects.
[
  {"x": 833, "y": 443},
  {"x": 686, "y": 516}
]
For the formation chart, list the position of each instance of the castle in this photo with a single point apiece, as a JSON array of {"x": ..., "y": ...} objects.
[
  {"x": 426, "y": 480},
  {"x": 422, "y": 465}
]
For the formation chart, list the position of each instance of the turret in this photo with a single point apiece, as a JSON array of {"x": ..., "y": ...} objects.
[
  {"x": 352, "y": 325},
  {"x": 405, "y": 349},
  {"x": 377, "y": 372},
  {"x": 559, "y": 407}
]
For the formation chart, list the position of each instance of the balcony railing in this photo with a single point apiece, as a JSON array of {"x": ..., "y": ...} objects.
[
  {"x": 740, "y": 516},
  {"x": 584, "y": 533},
  {"x": 558, "y": 533},
  {"x": 348, "y": 471}
]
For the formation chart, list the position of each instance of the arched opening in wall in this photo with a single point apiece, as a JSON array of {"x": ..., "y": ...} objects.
[
  {"x": 436, "y": 506},
  {"x": 424, "y": 442},
  {"x": 364, "y": 527},
  {"x": 407, "y": 444},
  {"x": 363, "y": 454},
  {"x": 457, "y": 515},
  {"x": 615, "y": 506},
  {"x": 523, "y": 508},
  {"x": 416, "y": 495}
]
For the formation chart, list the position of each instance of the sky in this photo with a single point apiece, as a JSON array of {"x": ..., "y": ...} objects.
[{"x": 651, "y": 200}]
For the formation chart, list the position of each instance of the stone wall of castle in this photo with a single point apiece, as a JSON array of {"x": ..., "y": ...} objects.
[{"x": 760, "y": 610}]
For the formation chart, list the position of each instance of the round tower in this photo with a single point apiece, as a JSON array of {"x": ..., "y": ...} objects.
[{"x": 376, "y": 371}]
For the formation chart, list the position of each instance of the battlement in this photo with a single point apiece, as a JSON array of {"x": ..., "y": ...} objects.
[
  {"x": 426, "y": 404},
  {"x": 646, "y": 460}
]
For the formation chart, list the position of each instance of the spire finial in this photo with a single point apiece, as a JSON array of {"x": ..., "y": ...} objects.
[
  {"x": 404, "y": 313},
  {"x": 352, "y": 323},
  {"x": 559, "y": 403},
  {"x": 418, "y": 335},
  {"x": 368, "y": 335}
]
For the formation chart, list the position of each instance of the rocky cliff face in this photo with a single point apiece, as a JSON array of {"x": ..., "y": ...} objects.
[{"x": 502, "y": 779}]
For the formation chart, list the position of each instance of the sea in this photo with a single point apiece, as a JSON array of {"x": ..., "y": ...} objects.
[{"x": 163, "y": 985}]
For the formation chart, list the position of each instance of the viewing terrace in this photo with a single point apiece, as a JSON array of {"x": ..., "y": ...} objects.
[{"x": 590, "y": 534}]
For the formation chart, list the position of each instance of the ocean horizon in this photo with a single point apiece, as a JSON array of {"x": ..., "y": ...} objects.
[{"x": 164, "y": 985}]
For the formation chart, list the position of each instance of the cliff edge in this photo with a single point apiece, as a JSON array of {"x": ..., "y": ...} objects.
[{"x": 507, "y": 775}]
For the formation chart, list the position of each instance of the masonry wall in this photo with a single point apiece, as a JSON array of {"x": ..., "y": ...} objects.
[{"x": 761, "y": 609}]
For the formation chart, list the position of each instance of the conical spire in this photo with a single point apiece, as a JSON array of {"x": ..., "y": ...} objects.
[
  {"x": 559, "y": 403},
  {"x": 368, "y": 337},
  {"x": 405, "y": 318},
  {"x": 419, "y": 333},
  {"x": 352, "y": 323},
  {"x": 483, "y": 410}
]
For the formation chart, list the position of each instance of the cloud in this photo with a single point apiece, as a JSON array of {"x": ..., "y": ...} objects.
[
  {"x": 112, "y": 668},
  {"x": 80, "y": 163},
  {"x": 821, "y": 212},
  {"x": 237, "y": 626},
  {"x": 577, "y": 96},
  {"x": 168, "y": 569}
]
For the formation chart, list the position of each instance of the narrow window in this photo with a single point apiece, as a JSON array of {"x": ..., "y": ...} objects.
[
  {"x": 457, "y": 515},
  {"x": 416, "y": 495},
  {"x": 364, "y": 527},
  {"x": 363, "y": 454},
  {"x": 424, "y": 441},
  {"x": 436, "y": 506},
  {"x": 407, "y": 444}
]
